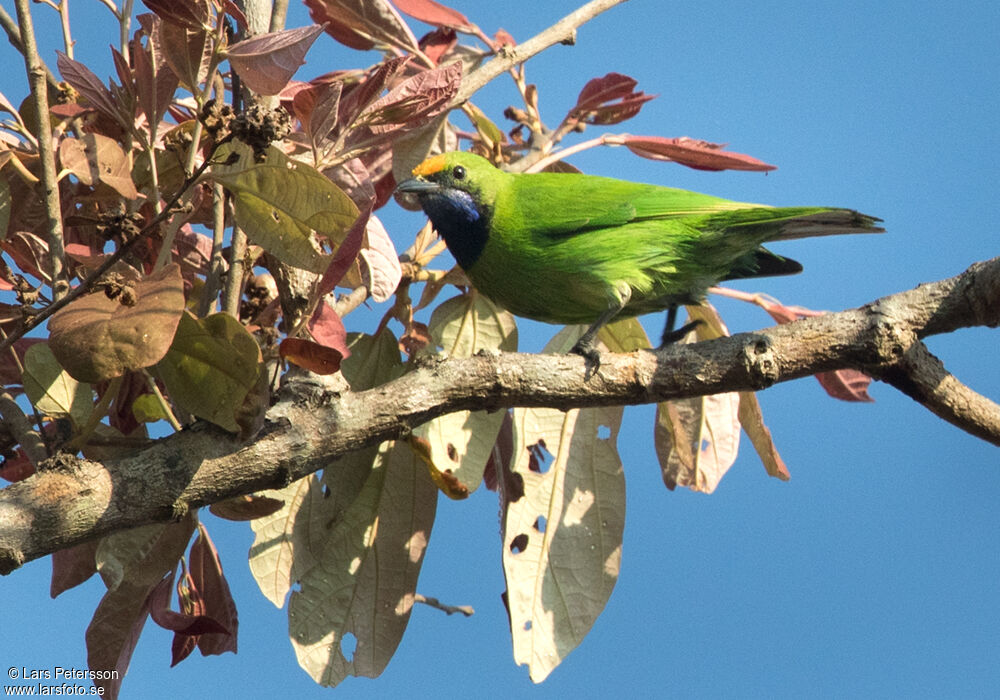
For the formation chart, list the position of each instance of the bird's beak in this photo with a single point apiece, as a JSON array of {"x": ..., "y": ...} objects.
[{"x": 418, "y": 187}]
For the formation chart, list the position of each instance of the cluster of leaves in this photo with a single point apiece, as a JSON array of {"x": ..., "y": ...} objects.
[{"x": 202, "y": 242}]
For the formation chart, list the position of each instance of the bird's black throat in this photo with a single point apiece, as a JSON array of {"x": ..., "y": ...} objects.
[{"x": 460, "y": 220}]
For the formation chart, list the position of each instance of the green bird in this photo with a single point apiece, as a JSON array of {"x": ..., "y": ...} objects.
[{"x": 567, "y": 248}]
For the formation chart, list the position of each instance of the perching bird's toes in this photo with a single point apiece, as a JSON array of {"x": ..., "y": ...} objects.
[{"x": 589, "y": 353}]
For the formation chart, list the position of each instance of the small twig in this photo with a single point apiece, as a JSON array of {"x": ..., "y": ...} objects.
[
  {"x": 563, "y": 31},
  {"x": 466, "y": 610},
  {"x": 46, "y": 152}
]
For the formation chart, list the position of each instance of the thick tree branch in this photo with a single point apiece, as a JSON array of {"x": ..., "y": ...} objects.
[{"x": 316, "y": 421}]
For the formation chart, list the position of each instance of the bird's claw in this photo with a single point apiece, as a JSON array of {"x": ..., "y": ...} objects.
[{"x": 590, "y": 354}]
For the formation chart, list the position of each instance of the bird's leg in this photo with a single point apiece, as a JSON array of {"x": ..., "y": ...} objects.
[
  {"x": 671, "y": 336},
  {"x": 585, "y": 345}
]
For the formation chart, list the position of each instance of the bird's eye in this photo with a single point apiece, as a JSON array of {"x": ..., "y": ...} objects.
[{"x": 458, "y": 172}]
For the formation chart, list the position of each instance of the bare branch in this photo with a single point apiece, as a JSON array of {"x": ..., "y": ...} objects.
[
  {"x": 37, "y": 80},
  {"x": 562, "y": 32},
  {"x": 314, "y": 422}
]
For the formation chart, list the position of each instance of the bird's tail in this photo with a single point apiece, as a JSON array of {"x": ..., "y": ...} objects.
[{"x": 786, "y": 223}]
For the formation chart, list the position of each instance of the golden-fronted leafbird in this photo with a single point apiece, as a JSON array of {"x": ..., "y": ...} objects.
[{"x": 569, "y": 248}]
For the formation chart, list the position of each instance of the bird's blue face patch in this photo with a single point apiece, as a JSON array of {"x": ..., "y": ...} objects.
[{"x": 460, "y": 222}]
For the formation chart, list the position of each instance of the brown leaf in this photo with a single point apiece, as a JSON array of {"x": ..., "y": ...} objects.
[
  {"x": 73, "y": 566},
  {"x": 267, "y": 62},
  {"x": 187, "y": 51},
  {"x": 752, "y": 420},
  {"x": 700, "y": 155},
  {"x": 97, "y": 159},
  {"x": 609, "y": 100},
  {"x": 97, "y": 338},
  {"x": 346, "y": 253},
  {"x": 244, "y": 508},
  {"x": 17, "y": 467},
  {"x": 146, "y": 554},
  {"x": 435, "y": 13},
  {"x": 312, "y": 356}
]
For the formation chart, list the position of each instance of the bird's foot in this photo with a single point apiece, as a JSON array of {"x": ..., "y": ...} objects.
[
  {"x": 589, "y": 353},
  {"x": 673, "y": 336}
]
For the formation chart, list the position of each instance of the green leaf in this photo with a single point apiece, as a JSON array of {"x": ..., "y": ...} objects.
[
  {"x": 51, "y": 389},
  {"x": 97, "y": 338},
  {"x": 562, "y": 538},
  {"x": 374, "y": 360},
  {"x": 280, "y": 203},
  {"x": 364, "y": 581},
  {"x": 460, "y": 443},
  {"x": 211, "y": 367}
]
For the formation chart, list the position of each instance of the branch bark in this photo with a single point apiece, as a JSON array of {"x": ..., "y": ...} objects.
[{"x": 316, "y": 420}]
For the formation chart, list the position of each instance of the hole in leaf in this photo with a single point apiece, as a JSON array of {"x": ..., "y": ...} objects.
[
  {"x": 519, "y": 544},
  {"x": 540, "y": 523},
  {"x": 603, "y": 432},
  {"x": 540, "y": 458},
  {"x": 452, "y": 453},
  {"x": 705, "y": 444},
  {"x": 348, "y": 645},
  {"x": 326, "y": 491},
  {"x": 527, "y": 625},
  {"x": 275, "y": 216}
]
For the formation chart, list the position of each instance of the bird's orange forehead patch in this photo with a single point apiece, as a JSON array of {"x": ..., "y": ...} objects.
[{"x": 432, "y": 165}]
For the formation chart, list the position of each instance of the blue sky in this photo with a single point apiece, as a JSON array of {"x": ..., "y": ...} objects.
[{"x": 875, "y": 570}]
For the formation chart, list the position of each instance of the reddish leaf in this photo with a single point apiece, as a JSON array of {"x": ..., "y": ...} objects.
[
  {"x": 207, "y": 576},
  {"x": 155, "y": 84},
  {"x": 312, "y": 356},
  {"x": 843, "y": 384},
  {"x": 415, "y": 101},
  {"x": 193, "y": 14},
  {"x": 16, "y": 468},
  {"x": 846, "y": 385},
  {"x": 316, "y": 106},
  {"x": 438, "y": 44},
  {"x": 83, "y": 80},
  {"x": 609, "y": 100},
  {"x": 73, "y": 566},
  {"x": 267, "y": 62},
  {"x": 85, "y": 255},
  {"x": 327, "y": 329},
  {"x": 359, "y": 97},
  {"x": 436, "y": 14},
  {"x": 192, "y": 621},
  {"x": 346, "y": 253},
  {"x": 361, "y": 24},
  {"x": 700, "y": 155},
  {"x": 187, "y": 51}
]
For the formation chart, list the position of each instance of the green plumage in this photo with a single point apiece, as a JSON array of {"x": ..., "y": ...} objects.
[{"x": 567, "y": 248}]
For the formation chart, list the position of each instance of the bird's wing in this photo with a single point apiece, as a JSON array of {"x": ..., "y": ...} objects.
[{"x": 560, "y": 204}]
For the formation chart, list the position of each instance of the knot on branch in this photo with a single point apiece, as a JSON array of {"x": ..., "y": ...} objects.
[
  {"x": 889, "y": 339},
  {"x": 760, "y": 361}
]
